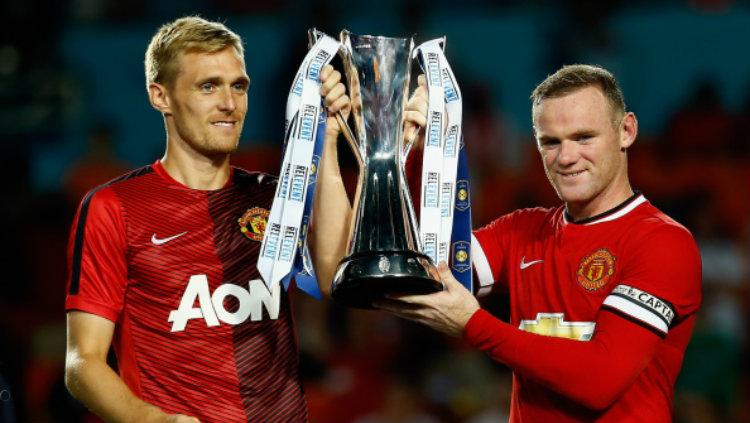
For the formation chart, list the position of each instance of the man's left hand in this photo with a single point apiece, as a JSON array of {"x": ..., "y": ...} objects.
[
  {"x": 335, "y": 99},
  {"x": 446, "y": 311}
]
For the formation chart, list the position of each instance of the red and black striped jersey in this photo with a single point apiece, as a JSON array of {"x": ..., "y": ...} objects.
[
  {"x": 197, "y": 331},
  {"x": 632, "y": 272}
]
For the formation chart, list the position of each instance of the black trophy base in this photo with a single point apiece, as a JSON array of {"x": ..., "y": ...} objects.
[{"x": 365, "y": 277}]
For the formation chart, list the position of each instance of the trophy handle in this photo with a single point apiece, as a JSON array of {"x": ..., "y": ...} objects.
[{"x": 349, "y": 135}]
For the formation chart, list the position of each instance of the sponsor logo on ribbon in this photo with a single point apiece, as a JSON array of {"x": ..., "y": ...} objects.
[
  {"x": 298, "y": 183},
  {"x": 433, "y": 68},
  {"x": 287, "y": 243},
  {"x": 273, "y": 240},
  {"x": 431, "y": 191},
  {"x": 449, "y": 87},
  {"x": 307, "y": 123},
  {"x": 446, "y": 193},
  {"x": 320, "y": 59}
]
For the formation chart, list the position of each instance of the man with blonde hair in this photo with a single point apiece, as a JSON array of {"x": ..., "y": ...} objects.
[
  {"x": 163, "y": 259},
  {"x": 604, "y": 289}
]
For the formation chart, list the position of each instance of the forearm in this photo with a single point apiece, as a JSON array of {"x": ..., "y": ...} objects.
[
  {"x": 331, "y": 216},
  {"x": 593, "y": 373},
  {"x": 96, "y": 385}
]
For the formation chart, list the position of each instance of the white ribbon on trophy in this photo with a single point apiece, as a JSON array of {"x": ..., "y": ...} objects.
[
  {"x": 440, "y": 157},
  {"x": 280, "y": 240}
]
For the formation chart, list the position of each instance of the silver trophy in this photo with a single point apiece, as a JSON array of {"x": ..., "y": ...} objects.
[{"x": 384, "y": 253}]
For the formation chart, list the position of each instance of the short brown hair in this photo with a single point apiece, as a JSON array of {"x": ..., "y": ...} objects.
[
  {"x": 571, "y": 78},
  {"x": 189, "y": 33}
]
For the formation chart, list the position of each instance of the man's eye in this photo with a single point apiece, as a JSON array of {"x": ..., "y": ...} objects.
[
  {"x": 207, "y": 87},
  {"x": 240, "y": 87},
  {"x": 548, "y": 144}
]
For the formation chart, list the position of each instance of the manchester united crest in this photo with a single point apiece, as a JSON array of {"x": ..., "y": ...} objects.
[
  {"x": 253, "y": 223},
  {"x": 596, "y": 269}
]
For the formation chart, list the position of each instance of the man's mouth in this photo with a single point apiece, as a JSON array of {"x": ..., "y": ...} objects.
[
  {"x": 224, "y": 123},
  {"x": 571, "y": 174}
]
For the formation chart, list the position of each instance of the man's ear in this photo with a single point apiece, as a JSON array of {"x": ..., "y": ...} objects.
[
  {"x": 628, "y": 130},
  {"x": 159, "y": 98}
]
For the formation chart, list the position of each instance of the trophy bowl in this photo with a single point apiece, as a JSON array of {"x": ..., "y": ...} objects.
[{"x": 383, "y": 254}]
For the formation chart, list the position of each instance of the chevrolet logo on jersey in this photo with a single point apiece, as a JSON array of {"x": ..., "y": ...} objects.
[{"x": 554, "y": 324}]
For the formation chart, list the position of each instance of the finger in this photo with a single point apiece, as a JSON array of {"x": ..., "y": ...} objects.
[
  {"x": 330, "y": 82},
  {"x": 418, "y": 104},
  {"x": 337, "y": 91},
  {"x": 410, "y": 132},
  {"x": 416, "y": 300},
  {"x": 421, "y": 81},
  {"x": 342, "y": 103},
  {"x": 446, "y": 276},
  {"x": 420, "y": 93},
  {"x": 409, "y": 300},
  {"x": 433, "y": 271},
  {"x": 416, "y": 118},
  {"x": 394, "y": 305},
  {"x": 400, "y": 311},
  {"x": 325, "y": 72},
  {"x": 406, "y": 316}
]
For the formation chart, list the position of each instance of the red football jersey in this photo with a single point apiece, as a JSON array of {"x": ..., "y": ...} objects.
[
  {"x": 632, "y": 270},
  {"x": 197, "y": 331}
]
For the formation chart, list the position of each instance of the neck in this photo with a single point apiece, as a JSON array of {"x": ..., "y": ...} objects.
[
  {"x": 195, "y": 170},
  {"x": 605, "y": 201}
]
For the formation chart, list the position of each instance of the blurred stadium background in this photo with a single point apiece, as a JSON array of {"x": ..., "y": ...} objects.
[{"x": 73, "y": 114}]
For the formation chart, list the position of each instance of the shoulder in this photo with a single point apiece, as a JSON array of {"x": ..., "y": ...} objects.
[
  {"x": 104, "y": 196},
  {"x": 663, "y": 259},
  {"x": 653, "y": 228},
  {"x": 536, "y": 214},
  {"x": 526, "y": 219}
]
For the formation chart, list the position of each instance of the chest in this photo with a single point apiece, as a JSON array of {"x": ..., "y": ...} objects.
[
  {"x": 561, "y": 278},
  {"x": 177, "y": 235}
]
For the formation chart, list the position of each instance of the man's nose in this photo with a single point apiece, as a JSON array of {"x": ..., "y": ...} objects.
[
  {"x": 568, "y": 152},
  {"x": 227, "y": 101}
]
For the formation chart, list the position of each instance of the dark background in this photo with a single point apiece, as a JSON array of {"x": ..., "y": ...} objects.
[{"x": 74, "y": 113}]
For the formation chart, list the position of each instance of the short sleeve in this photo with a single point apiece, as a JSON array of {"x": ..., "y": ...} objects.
[
  {"x": 489, "y": 245},
  {"x": 661, "y": 282},
  {"x": 96, "y": 256}
]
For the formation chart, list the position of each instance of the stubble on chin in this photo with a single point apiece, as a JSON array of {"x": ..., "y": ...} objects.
[{"x": 211, "y": 147}]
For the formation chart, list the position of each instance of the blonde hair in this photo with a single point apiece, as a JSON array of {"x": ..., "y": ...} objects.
[
  {"x": 189, "y": 33},
  {"x": 571, "y": 78}
]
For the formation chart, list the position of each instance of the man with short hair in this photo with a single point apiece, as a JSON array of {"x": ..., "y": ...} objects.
[
  {"x": 163, "y": 259},
  {"x": 604, "y": 289}
]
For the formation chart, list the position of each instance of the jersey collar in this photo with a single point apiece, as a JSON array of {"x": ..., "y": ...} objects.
[
  {"x": 615, "y": 213},
  {"x": 159, "y": 168}
]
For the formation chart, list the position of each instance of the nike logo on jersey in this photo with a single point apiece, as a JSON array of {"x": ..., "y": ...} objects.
[
  {"x": 525, "y": 264},
  {"x": 160, "y": 241}
]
